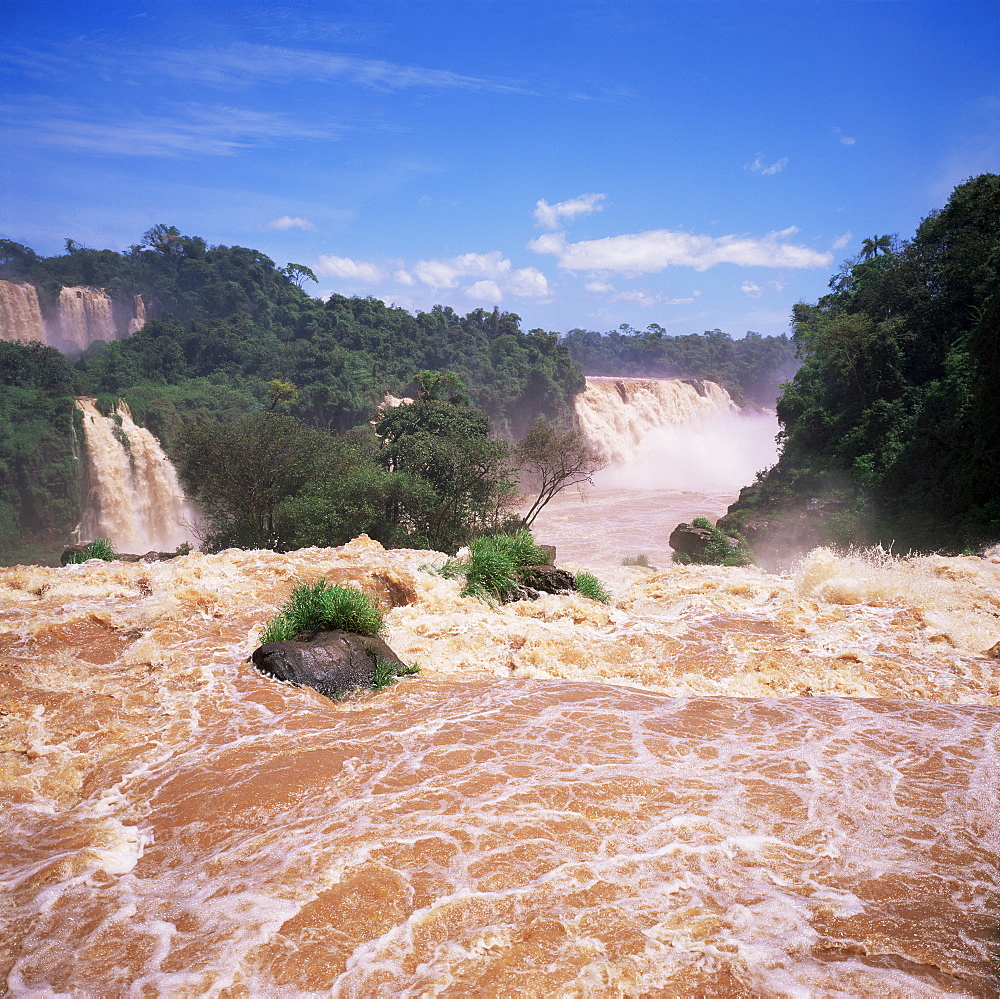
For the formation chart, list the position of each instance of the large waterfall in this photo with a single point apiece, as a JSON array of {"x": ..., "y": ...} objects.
[
  {"x": 677, "y": 449},
  {"x": 82, "y": 316},
  {"x": 135, "y": 498}
]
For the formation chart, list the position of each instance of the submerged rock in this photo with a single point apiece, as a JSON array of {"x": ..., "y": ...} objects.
[{"x": 331, "y": 662}]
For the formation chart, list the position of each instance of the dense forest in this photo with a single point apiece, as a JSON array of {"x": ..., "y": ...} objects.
[
  {"x": 232, "y": 336},
  {"x": 751, "y": 368},
  {"x": 890, "y": 428}
]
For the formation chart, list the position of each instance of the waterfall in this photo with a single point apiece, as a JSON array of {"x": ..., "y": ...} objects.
[
  {"x": 20, "y": 315},
  {"x": 668, "y": 433},
  {"x": 617, "y": 414},
  {"x": 83, "y": 316},
  {"x": 135, "y": 498}
]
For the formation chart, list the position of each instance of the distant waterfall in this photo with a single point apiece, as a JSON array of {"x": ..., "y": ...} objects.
[
  {"x": 135, "y": 498},
  {"x": 617, "y": 414},
  {"x": 20, "y": 315},
  {"x": 81, "y": 316},
  {"x": 668, "y": 433}
]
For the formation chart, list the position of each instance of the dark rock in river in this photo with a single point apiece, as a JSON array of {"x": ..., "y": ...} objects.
[
  {"x": 70, "y": 550},
  {"x": 331, "y": 662},
  {"x": 694, "y": 541},
  {"x": 547, "y": 579}
]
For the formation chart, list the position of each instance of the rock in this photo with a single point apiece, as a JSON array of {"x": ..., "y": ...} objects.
[
  {"x": 331, "y": 662},
  {"x": 70, "y": 550},
  {"x": 547, "y": 579},
  {"x": 693, "y": 541},
  {"x": 993, "y": 652}
]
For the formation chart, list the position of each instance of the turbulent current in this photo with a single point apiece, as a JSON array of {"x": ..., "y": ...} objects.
[{"x": 724, "y": 784}]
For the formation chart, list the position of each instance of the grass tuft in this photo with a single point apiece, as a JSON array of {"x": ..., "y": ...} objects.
[
  {"x": 642, "y": 560},
  {"x": 102, "y": 548},
  {"x": 590, "y": 586},
  {"x": 327, "y": 606},
  {"x": 494, "y": 562}
]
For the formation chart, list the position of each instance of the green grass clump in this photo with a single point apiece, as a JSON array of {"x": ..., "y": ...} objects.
[
  {"x": 386, "y": 673},
  {"x": 590, "y": 586},
  {"x": 327, "y": 606},
  {"x": 102, "y": 548},
  {"x": 642, "y": 560},
  {"x": 494, "y": 561}
]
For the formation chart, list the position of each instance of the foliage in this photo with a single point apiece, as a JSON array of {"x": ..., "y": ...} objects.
[
  {"x": 729, "y": 549},
  {"x": 590, "y": 586},
  {"x": 751, "y": 368},
  {"x": 101, "y": 548},
  {"x": 640, "y": 560},
  {"x": 39, "y": 492},
  {"x": 491, "y": 570},
  {"x": 326, "y": 606},
  {"x": 554, "y": 460},
  {"x": 387, "y": 672},
  {"x": 893, "y": 411}
]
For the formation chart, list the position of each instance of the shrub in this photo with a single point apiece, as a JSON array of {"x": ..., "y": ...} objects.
[
  {"x": 590, "y": 586},
  {"x": 327, "y": 606},
  {"x": 494, "y": 561},
  {"x": 720, "y": 549},
  {"x": 642, "y": 560},
  {"x": 386, "y": 673},
  {"x": 102, "y": 548}
]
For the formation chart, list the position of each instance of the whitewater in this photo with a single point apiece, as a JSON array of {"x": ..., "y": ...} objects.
[{"x": 726, "y": 783}]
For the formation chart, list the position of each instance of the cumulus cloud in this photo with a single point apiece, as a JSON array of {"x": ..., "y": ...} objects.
[
  {"x": 441, "y": 274},
  {"x": 353, "y": 271},
  {"x": 288, "y": 222},
  {"x": 765, "y": 169},
  {"x": 551, "y": 216},
  {"x": 484, "y": 291},
  {"x": 649, "y": 252}
]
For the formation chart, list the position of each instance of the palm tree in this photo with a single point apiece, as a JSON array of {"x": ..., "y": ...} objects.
[{"x": 870, "y": 247}]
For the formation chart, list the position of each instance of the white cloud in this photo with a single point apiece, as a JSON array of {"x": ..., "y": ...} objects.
[
  {"x": 353, "y": 271},
  {"x": 440, "y": 274},
  {"x": 484, "y": 291},
  {"x": 288, "y": 222},
  {"x": 649, "y": 252},
  {"x": 598, "y": 287},
  {"x": 636, "y": 296},
  {"x": 766, "y": 170},
  {"x": 846, "y": 140},
  {"x": 550, "y": 216},
  {"x": 841, "y": 241},
  {"x": 405, "y": 277},
  {"x": 751, "y": 289}
]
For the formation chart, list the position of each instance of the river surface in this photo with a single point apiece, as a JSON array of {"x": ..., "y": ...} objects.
[{"x": 726, "y": 784}]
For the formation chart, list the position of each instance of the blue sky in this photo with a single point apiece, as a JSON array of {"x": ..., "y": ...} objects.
[{"x": 583, "y": 164}]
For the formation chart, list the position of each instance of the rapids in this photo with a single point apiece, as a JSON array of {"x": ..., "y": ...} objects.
[{"x": 727, "y": 784}]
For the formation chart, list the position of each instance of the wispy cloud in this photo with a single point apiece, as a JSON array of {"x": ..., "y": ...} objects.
[
  {"x": 761, "y": 166},
  {"x": 844, "y": 140},
  {"x": 187, "y": 129},
  {"x": 551, "y": 216},
  {"x": 841, "y": 241},
  {"x": 649, "y": 252},
  {"x": 288, "y": 222},
  {"x": 751, "y": 289},
  {"x": 355, "y": 272}
]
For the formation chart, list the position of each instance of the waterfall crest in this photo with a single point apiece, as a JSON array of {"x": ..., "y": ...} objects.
[
  {"x": 617, "y": 414},
  {"x": 135, "y": 497},
  {"x": 83, "y": 316},
  {"x": 20, "y": 314}
]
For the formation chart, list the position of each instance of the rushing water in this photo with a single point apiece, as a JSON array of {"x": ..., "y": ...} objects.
[
  {"x": 727, "y": 783},
  {"x": 135, "y": 497}
]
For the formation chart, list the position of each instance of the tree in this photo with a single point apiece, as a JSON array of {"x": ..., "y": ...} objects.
[
  {"x": 870, "y": 247},
  {"x": 297, "y": 273},
  {"x": 239, "y": 472},
  {"x": 554, "y": 460}
]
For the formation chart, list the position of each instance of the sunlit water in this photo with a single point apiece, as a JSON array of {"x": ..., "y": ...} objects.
[{"x": 727, "y": 783}]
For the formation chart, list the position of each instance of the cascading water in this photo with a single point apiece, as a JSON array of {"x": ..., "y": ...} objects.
[
  {"x": 83, "y": 316},
  {"x": 135, "y": 497},
  {"x": 20, "y": 315},
  {"x": 678, "y": 449}
]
